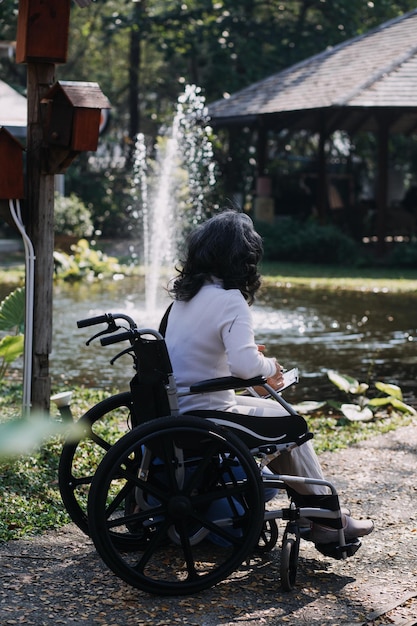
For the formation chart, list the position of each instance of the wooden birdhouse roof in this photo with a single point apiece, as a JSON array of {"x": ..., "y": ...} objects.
[
  {"x": 349, "y": 82},
  {"x": 79, "y": 94}
]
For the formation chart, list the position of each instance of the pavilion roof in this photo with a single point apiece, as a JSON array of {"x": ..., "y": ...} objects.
[{"x": 351, "y": 83}]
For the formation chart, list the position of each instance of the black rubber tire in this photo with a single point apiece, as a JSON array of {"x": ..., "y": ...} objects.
[
  {"x": 175, "y": 556},
  {"x": 289, "y": 562},
  {"x": 268, "y": 537},
  {"x": 101, "y": 427}
]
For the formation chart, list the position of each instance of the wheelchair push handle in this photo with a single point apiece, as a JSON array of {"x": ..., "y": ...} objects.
[
  {"x": 106, "y": 318},
  {"x": 110, "y": 320},
  {"x": 92, "y": 321},
  {"x": 107, "y": 341},
  {"x": 131, "y": 335}
]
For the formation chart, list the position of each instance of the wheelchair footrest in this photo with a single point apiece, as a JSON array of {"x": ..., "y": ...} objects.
[{"x": 337, "y": 552}]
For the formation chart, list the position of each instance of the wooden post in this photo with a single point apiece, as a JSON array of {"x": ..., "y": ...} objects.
[
  {"x": 42, "y": 41},
  {"x": 39, "y": 218}
]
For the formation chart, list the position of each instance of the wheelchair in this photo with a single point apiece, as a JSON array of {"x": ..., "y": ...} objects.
[{"x": 175, "y": 503}]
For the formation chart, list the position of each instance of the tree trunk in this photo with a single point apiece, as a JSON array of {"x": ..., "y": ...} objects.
[{"x": 134, "y": 78}]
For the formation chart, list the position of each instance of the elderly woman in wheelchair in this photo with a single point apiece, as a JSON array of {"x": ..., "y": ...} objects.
[
  {"x": 209, "y": 334},
  {"x": 179, "y": 503}
]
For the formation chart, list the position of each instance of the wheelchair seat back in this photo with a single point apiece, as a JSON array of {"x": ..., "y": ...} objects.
[
  {"x": 153, "y": 378},
  {"x": 154, "y": 394}
]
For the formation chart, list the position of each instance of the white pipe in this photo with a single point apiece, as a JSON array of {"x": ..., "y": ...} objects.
[{"x": 29, "y": 300}]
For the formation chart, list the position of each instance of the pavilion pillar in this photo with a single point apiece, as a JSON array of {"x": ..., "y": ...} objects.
[
  {"x": 264, "y": 202},
  {"x": 381, "y": 191},
  {"x": 322, "y": 191}
]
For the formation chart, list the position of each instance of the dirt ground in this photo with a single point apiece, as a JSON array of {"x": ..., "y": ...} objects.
[{"x": 59, "y": 578}]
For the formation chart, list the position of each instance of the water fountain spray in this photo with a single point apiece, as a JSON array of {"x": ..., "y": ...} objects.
[{"x": 172, "y": 194}]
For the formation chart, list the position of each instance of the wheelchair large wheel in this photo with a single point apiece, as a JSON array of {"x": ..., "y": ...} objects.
[
  {"x": 102, "y": 426},
  {"x": 199, "y": 510}
]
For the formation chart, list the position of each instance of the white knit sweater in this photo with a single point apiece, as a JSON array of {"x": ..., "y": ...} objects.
[{"x": 212, "y": 336}]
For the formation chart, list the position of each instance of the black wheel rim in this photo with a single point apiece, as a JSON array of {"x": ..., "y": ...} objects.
[
  {"x": 196, "y": 529},
  {"x": 101, "y": 427}
]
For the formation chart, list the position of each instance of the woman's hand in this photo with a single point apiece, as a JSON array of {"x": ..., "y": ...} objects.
[{"x": 277, "y": 380}]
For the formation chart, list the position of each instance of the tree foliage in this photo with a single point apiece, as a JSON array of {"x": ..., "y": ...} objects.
[
  {"x": 143, "y": 53},
  {"x": 220, "y": 45}
]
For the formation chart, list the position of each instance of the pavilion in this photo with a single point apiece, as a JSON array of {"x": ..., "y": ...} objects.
[{"x": 368, "y": 83}]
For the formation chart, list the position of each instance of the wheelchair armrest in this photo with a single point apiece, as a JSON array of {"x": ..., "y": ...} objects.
[
  {"x": 306, "y": 437},
  {"x": 226, "y": 382}
]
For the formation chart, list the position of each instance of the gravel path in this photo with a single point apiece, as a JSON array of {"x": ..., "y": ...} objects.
[{"x": 58, "y": 578}]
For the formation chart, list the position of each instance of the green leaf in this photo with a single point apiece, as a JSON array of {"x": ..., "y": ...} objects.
[
  {"x": 334, "y": 404},
  {"x": 355, "y": 413},
  {"x": 11, "y": 347},
  {"x": 308, "y": 406},
  {"x": 389, "y": 389},
  {"x": 402, "y": 406},
  {"x": 346, "y": 383},
  {"x": 12, "y": 310},
  {"x": 380, "y": 401},
  {"x": 397, "y": 404}
]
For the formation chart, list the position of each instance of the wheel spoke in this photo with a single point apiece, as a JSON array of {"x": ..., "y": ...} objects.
[{"x": 198, "y": 519}]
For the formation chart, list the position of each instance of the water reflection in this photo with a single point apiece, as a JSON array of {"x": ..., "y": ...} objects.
[
  {"x": 365, "y": 335},
  {"x": 361, "y": 334}
]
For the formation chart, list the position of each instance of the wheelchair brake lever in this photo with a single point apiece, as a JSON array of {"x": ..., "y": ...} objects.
[
  {"x": 111, "y": 328},
  {"x": 122, "y": 353}
]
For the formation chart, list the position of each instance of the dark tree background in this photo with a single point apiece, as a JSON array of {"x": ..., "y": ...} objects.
[{"x": 142, "y": 53}]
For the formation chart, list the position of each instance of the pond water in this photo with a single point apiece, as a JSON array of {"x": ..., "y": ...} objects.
[{"x": 370, "y": 336}]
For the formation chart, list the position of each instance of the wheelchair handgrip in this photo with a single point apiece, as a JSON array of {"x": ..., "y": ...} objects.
[
  {"x": 226, "y": 382},
  {"x": 106, "y": 341},
  {"x": 92, "y": 321}
]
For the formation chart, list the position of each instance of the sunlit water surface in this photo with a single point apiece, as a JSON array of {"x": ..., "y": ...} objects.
[{"x": 371, "y": 336}]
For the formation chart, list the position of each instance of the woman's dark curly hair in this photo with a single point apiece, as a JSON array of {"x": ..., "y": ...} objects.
[{"x": 225, "y": 246}]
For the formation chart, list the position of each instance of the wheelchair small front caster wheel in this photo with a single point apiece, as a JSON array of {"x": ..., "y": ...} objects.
[
  {"x": 268, "y": 537},
  {"x": 289, "y": 561}
]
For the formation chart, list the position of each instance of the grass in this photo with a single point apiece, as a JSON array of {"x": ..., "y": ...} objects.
[
  {"x": 303, "y": 275},
  {"x": 343, "y": 278},
  {"x": 30, "y": 501}
]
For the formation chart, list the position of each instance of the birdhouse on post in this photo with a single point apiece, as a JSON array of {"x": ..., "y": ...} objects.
[
  {"x": 42, "y": 31},
  {"x": 11, "y": 167},
  {"x": 11, "y": 174},
  {"x": 72, "y": 118}
]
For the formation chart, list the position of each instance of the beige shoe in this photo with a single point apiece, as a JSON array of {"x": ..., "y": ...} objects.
[{"x": 352, "y": 528}]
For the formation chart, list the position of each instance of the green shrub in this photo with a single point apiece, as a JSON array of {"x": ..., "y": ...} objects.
[
  {"x": 308, "y": 242},
  {"x": 84, "y": 263},
  {"x": 404, "y": 255},
  {"x": 72, "y": 217},
  {"x": 12, "y": 315}
]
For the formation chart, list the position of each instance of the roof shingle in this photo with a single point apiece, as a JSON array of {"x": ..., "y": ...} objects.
[{"x": 377, "y": 69}]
